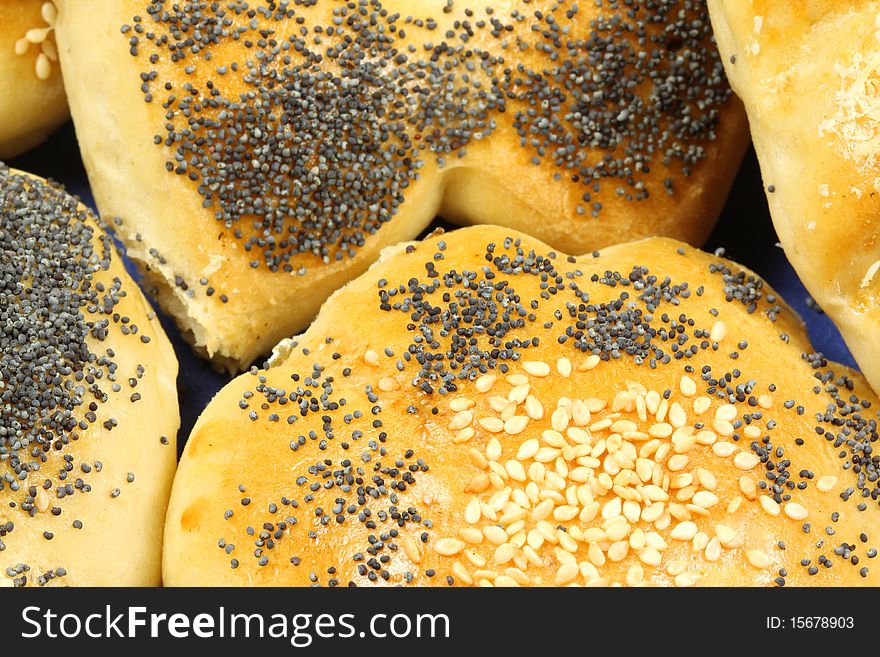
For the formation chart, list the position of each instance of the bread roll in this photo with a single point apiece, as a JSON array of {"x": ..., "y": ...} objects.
[
  {"x": 808, "y": 74},
  {"x": 87, "y": 388},
  {"x": 32, "y": 104},
  {"x": 479, "y": 409},
  {"x": 283, "y": 145}
]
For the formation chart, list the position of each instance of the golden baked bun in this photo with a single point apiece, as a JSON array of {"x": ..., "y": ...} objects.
[
  {"x": 479, "y": 409},
  {"x": 32, "y": 104},
  {"x": 88, "y": 397},
  {"x": 808, "y": 73},
  {"x": 266, "y": 170}
]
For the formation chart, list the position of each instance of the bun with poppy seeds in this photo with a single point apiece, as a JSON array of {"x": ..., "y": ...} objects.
[
  {"x": 479, "y": 409},
  {"x": 88, "y": 399},
  {"x": 262, "y": 154}
]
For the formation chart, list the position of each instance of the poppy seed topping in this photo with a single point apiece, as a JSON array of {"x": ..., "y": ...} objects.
[
  {"x": 69, "y": 352},
  {"x": 302, "y": 135}
]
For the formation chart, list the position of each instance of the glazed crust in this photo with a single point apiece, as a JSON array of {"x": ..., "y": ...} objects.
[
  {"x": 30, "y": 108},
  {"x": 119, "y": 476},
  {"x": 420, "y": 450},
  {"x": 179, "y": 242},
  {"x": 807, "y": 74}
]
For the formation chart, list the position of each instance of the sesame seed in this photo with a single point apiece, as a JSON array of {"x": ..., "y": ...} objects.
[
  {"x": 462, "y": 573},
  {"x": 677, "y": 415},
  {"x": 795, "y": 511},
  {"x": 491, "y": 424},
  {"x": 705, "y": 499},
  {"x": 684, "y": 531},
  {"x": 515, "y": 425},
  {"x": 534, "y": 409},
  {"x": 748, "y": 487},
  {"x": 564, "y": 367},
  {"x": 723, "y": 449},
  {"x": 746, "y": 460},
  {"x": 566, "y": 573},
  {"x": 706, "y": 478},
  {"x": 484, "y": 383},
  {"x": 537, "y": 368},
  {"x": 683, "y": 580},
  {"x": 713, "y": 549},
  {"x": 758, "y": 559},
  {"x": 687, "y": 386},
  {"x": 473, "y": 511},
  {"x": 726, "y": 535},
  {"x": 448, "y": 547},
  {"x": 528, "y": 449},
  {"x": 718, "y": 331},
  {"x": 461, "y": 420},
  {"x": 493, "y": 449},
  {"x": 463, "y": 436},
  {"x": 726, "y": 412},
  {"x": 826, "y": 483},
  {"x": 769, "y": 505},
  {"x": 589, "y": 363},
  {"x": 411, "y": 548}
]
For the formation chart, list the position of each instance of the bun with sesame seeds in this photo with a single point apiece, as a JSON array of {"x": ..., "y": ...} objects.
[
  {"x": 262, "y": 154},
  {"x": 809, "y": 74},
  {"x": 88, "y": 399},
  {"x": 479, "y": 409},
  {"x": 32, "y": 104}
]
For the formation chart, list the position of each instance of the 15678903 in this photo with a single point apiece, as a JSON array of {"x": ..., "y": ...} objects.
[{"x": 810, "y": 623}]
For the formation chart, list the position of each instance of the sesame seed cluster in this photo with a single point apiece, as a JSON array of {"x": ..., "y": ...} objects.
[
  {"x": 41, "y": 37},
  {"x": 302, "y": 135},
  {"x": 58, "y": 307},
  {"x": 511, "y": 416}
]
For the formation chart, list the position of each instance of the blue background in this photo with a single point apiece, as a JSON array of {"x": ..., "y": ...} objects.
[{"x": 744, "y": 229}]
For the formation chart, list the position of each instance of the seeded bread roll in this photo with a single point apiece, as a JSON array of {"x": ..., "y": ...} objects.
[
  {"x": 282, "y": 145},
  {"x": 478, "y": 409},
  {"x": 808, "y": 73},
  {"x": 32, "y": 104},
  {"x": 87, "y": 388}
]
